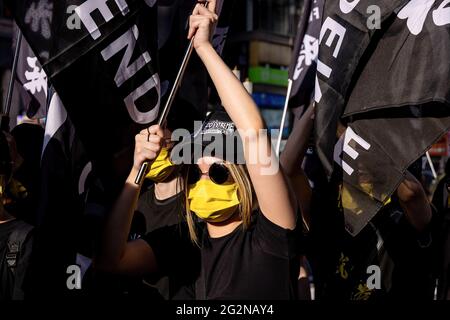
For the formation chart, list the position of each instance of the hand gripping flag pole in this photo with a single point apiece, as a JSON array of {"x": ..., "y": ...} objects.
[
  {"x": 162, "y": 118},
  {"x": 4, "y": 125}
]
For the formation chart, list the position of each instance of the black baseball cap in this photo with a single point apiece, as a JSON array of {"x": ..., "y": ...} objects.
[{"x": 216, "y": 137}]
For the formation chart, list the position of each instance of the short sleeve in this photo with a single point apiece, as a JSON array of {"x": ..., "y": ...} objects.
[{"x": 274, "y": 239}]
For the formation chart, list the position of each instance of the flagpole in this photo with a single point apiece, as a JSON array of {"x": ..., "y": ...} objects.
[
  {"x": 431, "y": 165},
  {"x": 162, "y": 118},
  {"x": 283, "y": 119},
  {"x": 7, "y": 108},
  {"x": 165, "y": 111}
]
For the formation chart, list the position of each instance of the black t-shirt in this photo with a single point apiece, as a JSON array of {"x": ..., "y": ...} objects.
[
  {"x": 152, "y": 214},
  {"x": 258, "y": 263},
  {"x": 159, "y": 213}
]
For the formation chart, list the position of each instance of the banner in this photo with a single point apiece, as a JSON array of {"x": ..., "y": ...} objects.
[
  {"x": 32, "y": 81},
  {"x": 101, "y": 57},
  {"x": 389, "y": 90},
  {"x": 304, "y": 57}
]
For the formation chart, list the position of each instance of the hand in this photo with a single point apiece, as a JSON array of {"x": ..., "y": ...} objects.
[
  {"x": 201, "y": 23},
  {"x": 148, "y": 143}
]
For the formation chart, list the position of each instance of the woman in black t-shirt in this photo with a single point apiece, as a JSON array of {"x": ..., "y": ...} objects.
[{"x": 234, "y": 253}]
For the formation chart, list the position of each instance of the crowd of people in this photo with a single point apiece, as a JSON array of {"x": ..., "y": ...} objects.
[{"x": 220, "y": 229}]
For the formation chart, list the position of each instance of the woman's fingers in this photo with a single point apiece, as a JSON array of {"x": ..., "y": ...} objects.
[
  {"x": 148, "y": 144},
  {"x": 195, "y": 21},
  {"x": 199, "y": 15}
]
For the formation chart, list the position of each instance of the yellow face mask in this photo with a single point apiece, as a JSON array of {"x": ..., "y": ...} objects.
[
  {"x": 213, "y": 202},
  {"x": 161, "y": 168}
]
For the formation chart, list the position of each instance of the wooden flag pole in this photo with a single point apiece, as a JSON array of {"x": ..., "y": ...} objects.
[
  {"x": 7, "y": 107},
  {"x": 283, "y": 119}
]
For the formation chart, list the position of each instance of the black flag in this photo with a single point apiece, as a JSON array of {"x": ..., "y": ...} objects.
[
  {"x": 173, "y": 22},
  {"x": 344, "y": 38},
  {"x": 101, "y": 57},
  {"x": 391, "y": 92},
  {"x": 224, "y": 10},
  {"x": 304, "y": 57},
  {"x": 65, "y": 172},
  {"x": 32, "y": 81}
]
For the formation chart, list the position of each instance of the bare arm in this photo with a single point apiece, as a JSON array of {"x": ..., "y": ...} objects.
[
  {"x": 414, "y": 201},
  {"x": 275, "y": 201},
  {"x": 117, "y": 254}
]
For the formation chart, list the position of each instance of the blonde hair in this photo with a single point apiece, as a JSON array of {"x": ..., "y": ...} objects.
[{"x": 246, "y": 197}]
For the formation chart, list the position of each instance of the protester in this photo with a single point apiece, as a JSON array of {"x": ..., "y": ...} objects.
[
  {"x": 29, "y": 139},
  {"x": 399, "y": 241},
  {"x": 15, "y": 235},
  {"x": 243, "y": 255},
  {"x": 160, "y": 205}
]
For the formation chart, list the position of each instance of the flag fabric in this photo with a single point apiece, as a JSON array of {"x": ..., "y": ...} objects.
[
  {"x": 224, "y": 10},
  {"x": 32, "y": 81},
  {"x": 344, "y": 38},
  {"x": 65, "y": 176},
  {"x": 304, "y": 57},
  {"x": 102, "y": 60},
  {"x": 388, "y": 87},
  {"x": 192, "y": 98}
]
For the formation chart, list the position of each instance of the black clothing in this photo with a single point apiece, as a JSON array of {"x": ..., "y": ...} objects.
[
  {"x": 15, "y": 250},
  {"x": 258, "y": 263}
]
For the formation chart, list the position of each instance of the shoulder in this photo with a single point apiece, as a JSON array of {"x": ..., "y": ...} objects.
[
  {"x": 274, "y": 239},
  {"x": 21, "y": 231}
]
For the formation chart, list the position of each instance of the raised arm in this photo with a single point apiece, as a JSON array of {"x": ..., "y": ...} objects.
[
  {"x": 270, "y": 186},
  {"x": 117, "y": 255}
]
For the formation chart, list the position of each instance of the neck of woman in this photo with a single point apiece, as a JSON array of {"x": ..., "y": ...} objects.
[
  {"x": 221, "y": 229},
  {"x": 165, "y": 190}
]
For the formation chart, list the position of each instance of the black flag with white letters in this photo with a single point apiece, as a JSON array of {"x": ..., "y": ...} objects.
[
  {"x": 389, "y": 87},
  {"x": 32, "y": 81},
  {"x": 101, "y": 57},
  {"x": 304, "y": 57},
  {"x": 344, "y": 38}
]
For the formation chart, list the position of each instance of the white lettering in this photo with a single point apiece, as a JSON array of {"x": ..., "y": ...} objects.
[
  {"x": 135, "y": 114},
  {"x": 344, "y": 145},
  {"x": 336, "y": 30},
  {"x": 128, "y": 40},
  {"x": 85, "y": 10},
  {"x": 441, "y": 16},
  {"x": 326, "y": 71},
  {"x": 347, "y": 6},
  {"x": 315, "y": 14},
  {"x": 416, "y": 12}
]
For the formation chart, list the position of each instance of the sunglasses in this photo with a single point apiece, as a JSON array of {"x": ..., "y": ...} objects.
[{"x": 218, "y": 173}]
